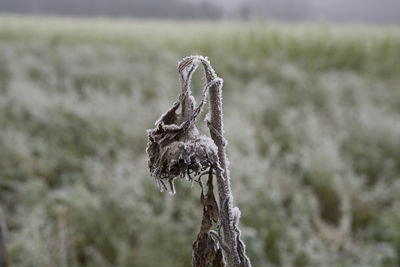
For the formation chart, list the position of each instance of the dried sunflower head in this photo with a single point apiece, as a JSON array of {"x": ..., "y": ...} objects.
[{"x": 175, "y": 146}]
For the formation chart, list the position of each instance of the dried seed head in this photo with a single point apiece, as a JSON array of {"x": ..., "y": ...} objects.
[
  {"x": 186, "y": 154},
  {"x": 175, "y": 146}
]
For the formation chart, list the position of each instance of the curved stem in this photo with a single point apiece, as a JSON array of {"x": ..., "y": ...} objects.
[
  {"x": 228, "y": 214},
  {"x": 223, "y": 177}
]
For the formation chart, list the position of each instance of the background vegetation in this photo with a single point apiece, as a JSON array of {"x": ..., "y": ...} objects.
[{"x": 312, "y": 116}]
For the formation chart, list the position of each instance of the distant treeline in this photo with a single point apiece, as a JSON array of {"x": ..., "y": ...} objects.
[{"x": 136, "y": 8}]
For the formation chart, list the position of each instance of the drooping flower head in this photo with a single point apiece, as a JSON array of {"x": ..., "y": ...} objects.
[{"x": 175, "y": 145}]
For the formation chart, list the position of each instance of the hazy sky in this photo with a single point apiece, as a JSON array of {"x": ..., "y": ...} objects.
[
  {"x": 370, "y": 11},
  {"x": 330, "y": 10}
]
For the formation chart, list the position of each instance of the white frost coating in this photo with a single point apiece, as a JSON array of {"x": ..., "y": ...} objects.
[{"x": 236, "y": 213}]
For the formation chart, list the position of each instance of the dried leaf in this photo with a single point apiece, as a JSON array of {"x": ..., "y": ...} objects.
[{"x": 206, "y": 250}]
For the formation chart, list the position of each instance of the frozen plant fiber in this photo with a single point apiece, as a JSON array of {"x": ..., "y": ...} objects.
[{"x": 177, "y": 148}]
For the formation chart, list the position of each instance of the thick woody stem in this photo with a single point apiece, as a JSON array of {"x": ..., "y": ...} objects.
[
  {"x": 228, "y": 214},
  {"x": 223, "y": 177}
]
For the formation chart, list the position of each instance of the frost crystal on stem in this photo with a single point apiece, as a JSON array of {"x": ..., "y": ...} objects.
[{"x": 176, "y": 148}]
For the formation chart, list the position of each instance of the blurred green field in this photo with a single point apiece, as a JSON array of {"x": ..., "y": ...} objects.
[{"x": 312, "y": 116}]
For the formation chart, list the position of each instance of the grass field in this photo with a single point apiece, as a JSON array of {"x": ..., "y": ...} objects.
[{"x": 312, "y": 116}]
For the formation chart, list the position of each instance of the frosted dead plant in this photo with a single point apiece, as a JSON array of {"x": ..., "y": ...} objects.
[{"x": 177, "y": 148}]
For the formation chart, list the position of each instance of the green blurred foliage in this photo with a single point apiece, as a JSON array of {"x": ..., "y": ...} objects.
[{"x": 311, "y": 115}]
